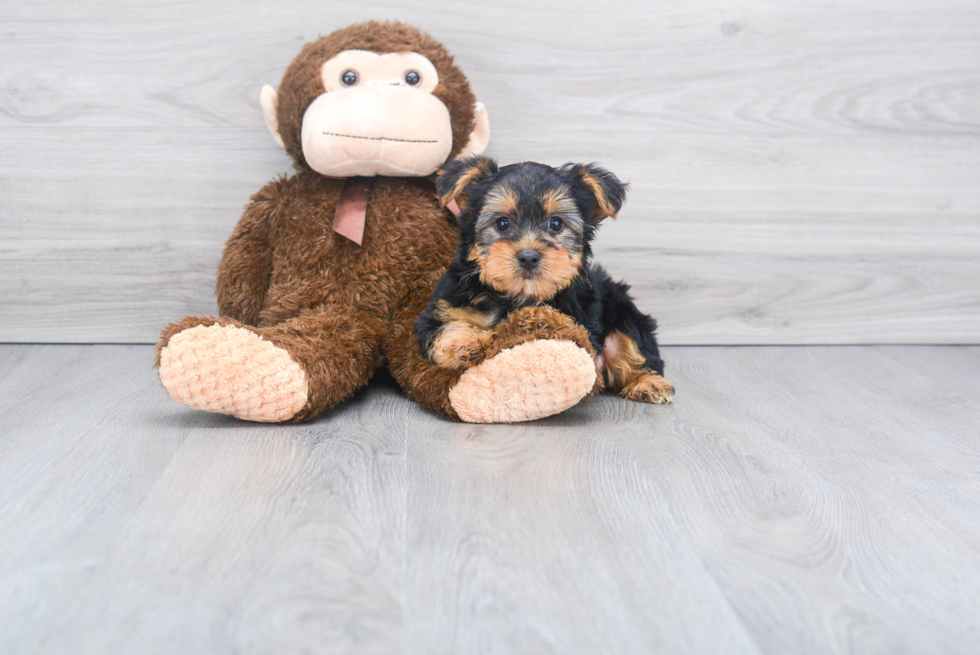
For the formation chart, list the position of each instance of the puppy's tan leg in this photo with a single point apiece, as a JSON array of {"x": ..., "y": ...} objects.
[
  {"x": 623, "y": 364},
  {"x": 649, "y": 388},
  {"x": 459, "y": 344}
]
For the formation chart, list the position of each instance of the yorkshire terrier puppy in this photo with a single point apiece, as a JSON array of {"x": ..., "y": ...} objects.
[{"x": 525, "y": 235}]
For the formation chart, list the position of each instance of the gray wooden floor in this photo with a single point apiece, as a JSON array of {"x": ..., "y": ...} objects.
[{"x": 793, "y": 499}]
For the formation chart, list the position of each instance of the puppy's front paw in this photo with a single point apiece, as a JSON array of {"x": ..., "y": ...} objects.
[
  {"x": 468, "y": 353},
  {"x": 530, "y": 319},
  {"x": 459, "y": 346},
  {"x": 649, "y": 388}
]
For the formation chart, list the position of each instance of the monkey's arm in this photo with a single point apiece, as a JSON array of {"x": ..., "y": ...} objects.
[{"x": 246, "y": 264}]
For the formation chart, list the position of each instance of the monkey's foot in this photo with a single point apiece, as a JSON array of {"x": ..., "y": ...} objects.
[
  {"x": 528, "y": 381},
  {"x": 232, "y": 370}
]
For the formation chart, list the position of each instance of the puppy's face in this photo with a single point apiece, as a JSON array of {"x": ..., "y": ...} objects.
[
  {"x": 528, "y": 234},
  {"x": 527, "y": 227}
]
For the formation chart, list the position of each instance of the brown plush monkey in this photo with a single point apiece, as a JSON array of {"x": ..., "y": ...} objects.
[{"x": 316, "y": 291}]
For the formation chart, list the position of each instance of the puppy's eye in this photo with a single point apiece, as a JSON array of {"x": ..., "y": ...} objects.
[
  {"x": 349, "y": 78},
  {"x": 502, "y": 225},
  {"x": 556, "y": 225},
  {"x": 412, "y": 78}
]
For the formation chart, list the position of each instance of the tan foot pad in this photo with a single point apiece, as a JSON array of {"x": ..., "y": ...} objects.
[
  {"x": 532, "y": 380},
  {"x": 232, "y": 370}
]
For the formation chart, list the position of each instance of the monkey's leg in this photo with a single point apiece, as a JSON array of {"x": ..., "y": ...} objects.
[
  {"x": 291, "y": 371},
  {"x": 539, "y": 363}
]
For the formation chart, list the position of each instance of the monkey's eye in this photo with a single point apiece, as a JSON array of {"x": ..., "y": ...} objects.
[
  {"x": 349, "y": 78},
  {"x": 502, "y": 225},
  {"x": 556, "y": 225},
  {"x": 412, "y": 78}
]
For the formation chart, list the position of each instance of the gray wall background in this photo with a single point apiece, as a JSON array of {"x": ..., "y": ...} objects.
[{"x": 803, "y": 172}]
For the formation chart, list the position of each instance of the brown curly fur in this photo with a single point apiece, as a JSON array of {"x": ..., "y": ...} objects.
[{"x": 339, "y": 309}]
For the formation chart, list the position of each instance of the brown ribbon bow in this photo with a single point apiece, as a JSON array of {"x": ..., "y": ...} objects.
[{"x": 351, "y": 211}]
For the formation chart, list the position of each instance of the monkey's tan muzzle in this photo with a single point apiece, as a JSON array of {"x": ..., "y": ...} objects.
[{"x": 376, "y": 130}]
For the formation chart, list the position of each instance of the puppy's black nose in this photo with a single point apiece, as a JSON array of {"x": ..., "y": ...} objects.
[{"x": 529, "y": 258}]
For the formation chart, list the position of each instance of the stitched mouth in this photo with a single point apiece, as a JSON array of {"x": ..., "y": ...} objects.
[{"x": 377, "y": 138}]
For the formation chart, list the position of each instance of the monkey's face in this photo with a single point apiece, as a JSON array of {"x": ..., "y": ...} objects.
[
  {"x": 370, "y": 112},
  {"x": 527, "y": 227},
  {"x": 377, "y": 109}
]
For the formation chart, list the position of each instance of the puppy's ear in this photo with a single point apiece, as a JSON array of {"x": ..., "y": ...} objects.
[
  {"x": 456, "y": 178},
  {"x": 602, "y": 191}
]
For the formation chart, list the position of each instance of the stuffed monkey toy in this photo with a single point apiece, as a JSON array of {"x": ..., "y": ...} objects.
[{"x": 327, "y": 270}]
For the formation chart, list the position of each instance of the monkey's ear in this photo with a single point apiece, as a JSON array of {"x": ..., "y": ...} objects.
[
  {"x": 480, "y": 135},
  {"x": 455, "y": 179},
  {"x": 270, "y": 105},
  {"x": 602, "y": 191}
]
